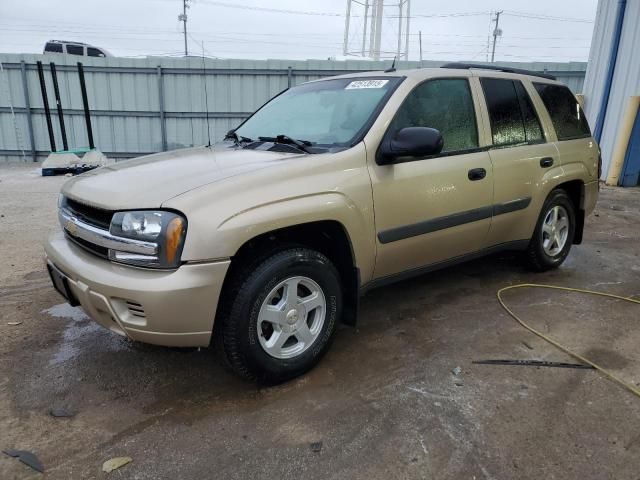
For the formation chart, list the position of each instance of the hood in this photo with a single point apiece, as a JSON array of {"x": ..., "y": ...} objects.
[{"x": 147, "y": 182}]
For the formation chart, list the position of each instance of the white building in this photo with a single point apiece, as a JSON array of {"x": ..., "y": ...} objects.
[{"x": 612, "y": 79}]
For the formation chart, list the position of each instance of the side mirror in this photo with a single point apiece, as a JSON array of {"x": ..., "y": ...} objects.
[{"x": 410, "y": 142}]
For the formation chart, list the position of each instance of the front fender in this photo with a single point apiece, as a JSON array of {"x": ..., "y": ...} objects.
[
  {"x": 335, "y": 206},
  {"x": 336, "y": 187},
  {"x": 224, "y": 239}
]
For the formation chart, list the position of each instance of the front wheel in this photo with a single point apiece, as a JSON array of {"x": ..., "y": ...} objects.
[
  {"x": 554, "y": 232},
  {"x": 283, "y": 316}
]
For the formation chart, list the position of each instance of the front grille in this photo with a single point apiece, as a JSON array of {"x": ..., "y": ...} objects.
[
  {"x": 95, "y": 216},
  {"x": 88, "y": 246}
]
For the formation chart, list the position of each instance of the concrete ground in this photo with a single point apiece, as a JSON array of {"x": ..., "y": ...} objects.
[{"x": 384, "y": 402}]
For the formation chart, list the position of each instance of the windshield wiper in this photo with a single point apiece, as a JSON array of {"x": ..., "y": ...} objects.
[
  {"x": 238, "y": 139},
  {"x": 301, "y": 144}
]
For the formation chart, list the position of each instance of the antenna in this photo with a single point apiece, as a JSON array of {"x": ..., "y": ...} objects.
[
  {"x": 206, "y": 96},
  {"x": 393, "y": 66}
]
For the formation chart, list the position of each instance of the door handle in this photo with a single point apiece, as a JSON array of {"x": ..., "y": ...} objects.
[
  {"x": 546, "y": 162},
  {"x": 477, "y": 174}
]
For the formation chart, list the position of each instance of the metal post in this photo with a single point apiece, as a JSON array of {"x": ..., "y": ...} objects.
[
  {"x": 163, "y": 126},
  {"x": 85, "y": 104},
  {"x": 347, "y": 21},
  {"x": 27, "y": 105},
  {"x": 420, "y": 40},
  {"x": 364, "y": 32},
  {"x": 289, "y": 77},
  {"x": 495, "y": 36},
  {"x": 406, "y": 49},
  {"x": 45, "y": 103},
  {"x": 56, "y": 91},
  {"x": 378, "y": 36},
  {"x": 399, "y": 30},
  {"x": 372, "y": 28}
]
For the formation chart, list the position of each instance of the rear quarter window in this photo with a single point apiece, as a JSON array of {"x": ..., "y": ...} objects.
[
  {"x": 94, "y": 52},
  {"x": 53, "y": 47},
  {"x": 566, "y": 115}
]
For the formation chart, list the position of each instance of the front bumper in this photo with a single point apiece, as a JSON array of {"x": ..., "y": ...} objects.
[{"x": 172, "y": 308}]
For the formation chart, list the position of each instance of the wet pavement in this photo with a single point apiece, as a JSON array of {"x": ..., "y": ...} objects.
[{"x": 385, "y": 402}]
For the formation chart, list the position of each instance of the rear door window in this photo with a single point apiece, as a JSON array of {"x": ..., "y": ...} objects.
[
  {"x": 566, "y": 115},
  {"x": 75, "y": 49},
  {"x": 507, "y": 127},
  {"x": 445, "y": 104},
  {"x": 511, "y": 113},
  {"x": 53, "y": 47}
]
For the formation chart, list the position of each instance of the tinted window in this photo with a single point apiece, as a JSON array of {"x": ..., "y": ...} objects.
[
  {"x": 53, "y": 47},
  {"x": 532, "y": 128},
  {"x": 75, "y": 49},
  {"x": 566, "y": 115},
  {"x": 94, "y": 52},
  {"x": 446, "y": 105},
  {"x": 507, "y": 127}
]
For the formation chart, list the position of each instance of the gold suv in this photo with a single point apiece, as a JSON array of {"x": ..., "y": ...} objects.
[{"x": 262, "y": 243}]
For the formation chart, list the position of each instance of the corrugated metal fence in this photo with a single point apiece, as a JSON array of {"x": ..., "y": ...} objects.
[{"x": 147, "y": 105}]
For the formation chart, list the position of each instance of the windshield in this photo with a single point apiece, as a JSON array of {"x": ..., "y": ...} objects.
[{"x": 329, "y": 112}]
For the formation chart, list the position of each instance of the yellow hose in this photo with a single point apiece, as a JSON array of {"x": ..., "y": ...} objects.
[{"x": 632, "y": 388}]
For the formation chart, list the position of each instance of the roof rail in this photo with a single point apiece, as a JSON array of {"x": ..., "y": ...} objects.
[{"x": 480, "y": 66}]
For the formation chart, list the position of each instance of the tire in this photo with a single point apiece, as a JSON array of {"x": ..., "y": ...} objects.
[
  {"x": 263, "y": 332},
  {"x": 546, "y": 250}
]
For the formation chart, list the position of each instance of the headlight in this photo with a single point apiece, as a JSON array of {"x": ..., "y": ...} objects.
[{"x": 166, "y": 230}]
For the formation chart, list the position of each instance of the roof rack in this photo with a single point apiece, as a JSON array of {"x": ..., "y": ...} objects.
[{"x": 480, "y": 66}]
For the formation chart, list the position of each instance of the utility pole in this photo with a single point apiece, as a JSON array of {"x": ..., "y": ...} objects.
[
  {"x": 420, "y": 41},
  {"x": 496, "y": 33},
  {"x": 183, "y": 18}
]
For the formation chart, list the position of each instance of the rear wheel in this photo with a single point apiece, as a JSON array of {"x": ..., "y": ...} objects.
[
  {"x": 283, "y": 316},
  {"x": 554, "y": 232}
]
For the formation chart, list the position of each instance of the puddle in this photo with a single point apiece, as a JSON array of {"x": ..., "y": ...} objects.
[
  {"x": 64, "y": 310},
  {"x": 79, "y": 326}
]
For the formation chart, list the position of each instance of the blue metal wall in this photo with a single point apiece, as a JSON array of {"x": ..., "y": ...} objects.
[{"x": 626, "y": 78}]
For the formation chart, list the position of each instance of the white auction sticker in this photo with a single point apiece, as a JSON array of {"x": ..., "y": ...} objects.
[{"x": 366, "y": 84}]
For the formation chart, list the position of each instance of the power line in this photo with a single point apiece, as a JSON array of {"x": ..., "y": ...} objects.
[
  {"x": 445, "y": 15},
  {"x": 535, "y": 16},
  {"x": 269, "y": 10}
]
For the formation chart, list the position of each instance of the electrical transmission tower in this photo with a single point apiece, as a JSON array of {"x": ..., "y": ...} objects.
[{"x": 368, "y": 15}]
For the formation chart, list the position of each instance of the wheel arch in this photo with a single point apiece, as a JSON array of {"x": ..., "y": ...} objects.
[
  {"x": 575, "y": 189},
  {"x": 329, "y": 237}
]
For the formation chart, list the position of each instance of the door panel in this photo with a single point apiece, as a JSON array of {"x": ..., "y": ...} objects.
[
  {"x": 429, "y": 210},
  {"x": 521, "y": 159},
  {"x": 518, "y": 177},
  {"x": 433, "y": 209}
]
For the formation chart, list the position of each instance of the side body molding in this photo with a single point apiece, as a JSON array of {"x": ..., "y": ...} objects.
[{"x": 449, "y": 221}]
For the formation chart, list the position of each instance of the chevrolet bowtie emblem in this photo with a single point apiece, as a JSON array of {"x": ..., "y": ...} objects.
[{"x": 71, "y": 226}]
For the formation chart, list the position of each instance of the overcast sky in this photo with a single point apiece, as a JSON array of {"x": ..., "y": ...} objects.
[{"x": 541, "y": 30}]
